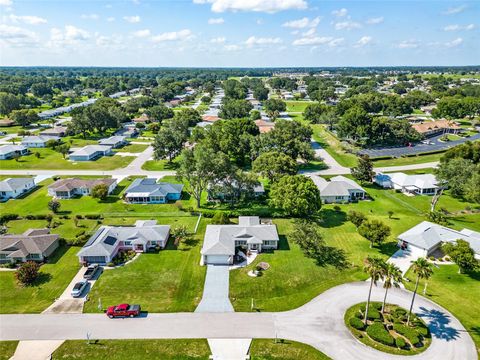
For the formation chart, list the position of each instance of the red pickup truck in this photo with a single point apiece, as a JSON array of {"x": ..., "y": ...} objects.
[{"x": 123, "y": 310}]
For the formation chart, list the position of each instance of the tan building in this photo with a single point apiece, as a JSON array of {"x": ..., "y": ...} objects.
[
  {"x": 32, "y": 245},
  {"x": 431, "y": 128}
]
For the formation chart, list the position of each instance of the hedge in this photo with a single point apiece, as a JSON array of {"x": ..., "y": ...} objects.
[
  {"x": 378, "y": 333},
  {"x": 374, "y": 314},
  {"x": 400, "y": 342},
  {"x": 356, "y": 323},
  {"x": 409, "y": 333},
  {"x": 7, "y": 217}
]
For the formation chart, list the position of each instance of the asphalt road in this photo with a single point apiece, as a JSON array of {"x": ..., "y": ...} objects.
[{"x": 319, "y": 323}]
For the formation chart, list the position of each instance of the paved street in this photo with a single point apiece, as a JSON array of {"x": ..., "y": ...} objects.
[{"x": 319, "y": 323}]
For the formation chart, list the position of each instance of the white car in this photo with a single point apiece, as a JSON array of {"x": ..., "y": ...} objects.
[
  {"x": 78, "y": 288},
  {"x": 427, "y": 142}
]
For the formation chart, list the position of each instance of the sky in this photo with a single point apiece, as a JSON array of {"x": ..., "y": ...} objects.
[{"x": 239, "y": 33}]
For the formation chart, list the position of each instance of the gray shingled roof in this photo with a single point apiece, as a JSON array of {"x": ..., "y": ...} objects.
[
  {"x": 337, "y": 186},
  {"x": 30, "y": 242},
  {"x": 75, "y": 183},
  {"x": 6, "y": 149},
  {"x": 150, "y": 187},
  {"x": 112, "y": 140},
  {"x": 13, "y": 184}
]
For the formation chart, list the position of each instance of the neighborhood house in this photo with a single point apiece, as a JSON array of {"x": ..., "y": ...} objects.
[
  {"x": 107, "y": 241},
  {"x": 426, "y": 237},
  {"x": 37, "y": 141},
  {"x": 149, "y": 191},
  {"x": 68, "y": 188},
  {"x": 90, "y": 152},
  {"x": 9, "y": 151},
  {"x": 57, "y": 131},
  {"x": 250, "y": 234},
  {"x": 114, "y": 141},
  {"x": 14, "y": 187},
  {"x": 32, "y": 245},
  {"x": 432, "y": 128},
  {"x": 423, "y": 184},
  {"x": 338, "y": 190}
]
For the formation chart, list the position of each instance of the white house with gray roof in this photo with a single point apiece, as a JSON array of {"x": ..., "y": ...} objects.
[
  {"x": 12, "y": 188},
  {"x": 9, "y": 151},
  {"x": 149, "y": 191},
  {"x": 338, "y": 190},
  {"x": 114, "y": 141},
  {"x": 90, "y": 153},
  {"x": 250, "y": 234},
  {"x": 37, "y": 141},
  {"x": 422, "y": 184},
  {"x": 107, "y": 241},
  {"x": 423, "y": 239}
]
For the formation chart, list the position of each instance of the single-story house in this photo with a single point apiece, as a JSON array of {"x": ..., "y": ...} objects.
[
  {"x": 149, "y": 191},
  {"x": 32, "y": 245},
  {"x": 217, "y": 191},
  {"x": 9, "y": 151},
  {"x": 90, "y": 153},
  {"x": 142, "y": 119},
  {"x": 250, "y": 234},
  {"x": 338, "y": 190},
  {"x": 107, "y": 241},
  {"x": 6, "y": 123},
  {"x": 12, "y": 188},
  {"x": 68, "y": 188},
  {"x": 423, "y": 239},
  {"x": 114, "y": 141},
  {"x": 432, "y": 128},
  {"x": 127, "y": 131},
  {"x": 57, "y": 131},
  {"x": 422, "y": 184},
  {"x": 264, "y": 126},
  {"x": 36, "y": 141}
]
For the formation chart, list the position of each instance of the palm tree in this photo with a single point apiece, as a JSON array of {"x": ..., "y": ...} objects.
[
  {"x": 392, "y": 277},
  {"x": 423, "y": 269},
  {"x": 374, "y": 267}
]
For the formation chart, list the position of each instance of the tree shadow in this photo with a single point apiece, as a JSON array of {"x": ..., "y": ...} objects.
[
  {"x": 42, "y": 278},
  {"x": 332, "y": 218},
  {"x": 439, "y": 324},
  {"x": 57, "y": 255},
  {"x": 118, "y": 190},
  {"x": 283, "y": 243},
  {"x": 474, "y": 275}
]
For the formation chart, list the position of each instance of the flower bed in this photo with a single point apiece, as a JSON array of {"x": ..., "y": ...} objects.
[{"x": 388, "y": 331}]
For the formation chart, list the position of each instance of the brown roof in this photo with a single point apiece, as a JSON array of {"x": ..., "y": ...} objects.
[
  {"x": 75, "y": 183},
  {"x": 6, "y": 122},
  {"x": 264, "y": 126},
  {"x": 434, "y": 125},
  {"x": 57, "y": 130},
  {"x": 141, "y": 119},
  {"x": 33, "y": 241},
  {"x": 210, "y": 118}
]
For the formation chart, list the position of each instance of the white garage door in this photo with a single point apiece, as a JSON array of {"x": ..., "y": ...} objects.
[
  {"x": 218, "y": 259},
  {"x": 416, "y": 252}
]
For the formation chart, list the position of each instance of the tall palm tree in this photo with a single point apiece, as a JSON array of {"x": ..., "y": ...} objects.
[
  {"x": 423, "y": 269},
  {"x": 392, "y": 277},
  {"x": 374, "y": 267}
]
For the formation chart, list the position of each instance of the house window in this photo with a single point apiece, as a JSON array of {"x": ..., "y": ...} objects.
[
  {"x": 240, "y": 242},
  {"x": 269, "y": 242},
  {"x": 34, "y": 256},
  {"x": 153, "y": 243},
  {"x": 127, "y": 243},
  {"x": 338, "y": 197}
]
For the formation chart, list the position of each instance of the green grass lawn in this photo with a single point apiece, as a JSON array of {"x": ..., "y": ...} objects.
[
  {"x": 133, "y": 148},
  {"x": 50, "y": 159},
  {"x": 7, "y": 349},
  {"x": 150, "y": 349},
  {"x": 168, "y": 281},
  {"x": 297, "y": 105},
  {"x": 332, "y": 145},
  {"x": 410, "y": 160},
  {"x": 458, "y": 293},
  {"x": 56, "y": 275},
  {"x": 160, "y": 165},
  {"x": 267, "y": 349}
]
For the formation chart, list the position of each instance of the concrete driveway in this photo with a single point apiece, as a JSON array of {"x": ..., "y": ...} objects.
[{"x": 215, "y": 291}]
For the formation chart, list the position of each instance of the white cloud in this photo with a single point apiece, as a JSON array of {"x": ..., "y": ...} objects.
[
  {"x": 6, "y": 2},
  {"x": 454, "y": 43},
  {"x": 373, "y": 21},
  {"x": 142, "y": 33},
  {"x": 310, "y": 32},
  {"x": 16, "y": 36},
  {"x": 457, "y": 27},
  {"x": 27, "y": 19},
  {"x": 252, "y": 41},
  {"x": 347, "y": 25},
  {"x": 218, "y": 40},
  {"x": 363, "y": 41},
  {"x": 408, "y": 44},
  {"x": 70, "y": 35},
  {"x": 302, "y": 23},
  {"x": 132, "y": 19},
  {"x": 318, "y": 40},
  {"x": 268, "y": 6},
  {"x": 232, "y": 47},
  {"x": 184, "y": 34},
  {"x": 215, "y": 21},
  {"x": 90, "y": 16},
  {"x": 455, "y": 10},
  {"x": 340, "y": 13},
  {"x": 110, "y": 19}
]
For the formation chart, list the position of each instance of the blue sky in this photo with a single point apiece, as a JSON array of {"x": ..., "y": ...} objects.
[{"x": 250, "y": 33}]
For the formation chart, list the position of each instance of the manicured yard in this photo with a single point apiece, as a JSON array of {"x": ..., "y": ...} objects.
[
  {"x": 50, "y": 159},
  {"x": 458, "y": 293},
  {"x": 297, "y": 105},
  {"x": 7, "y": 349},
  {"x": 168, "y": 281},
  {"x": 56, "y": 275},
  {"x": 408, "y": 160},
  {"x": 160, "y": 165},
  {"x": 183, "y": 349},
  {"x": 133, "y": 148},
  {"x": 267, "y": 349},
  {"x": 332, "y": 145}
]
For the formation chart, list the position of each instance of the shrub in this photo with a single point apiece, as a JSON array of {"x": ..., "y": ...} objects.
[
  {"x": 422, "y": 330},
  {"x": 356, "y": 217},
  {"x": 400, "y": 342},
  {"x": 337, "y": 208},
  {"x": 378, "y": 333},
  {"x": 27, "y": 273},
  {"x": 373, "y": 314},
  {"x": 356, "y": 323},
  {"x": 408, "y": 332},
  {"x": 7, "y": 217},
  {"x": 93, "y": 216}
]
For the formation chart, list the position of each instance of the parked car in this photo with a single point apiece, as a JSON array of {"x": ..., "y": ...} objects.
[
  {"x": 123, "y": 310},
  {"x": 79, "y": 287},
  {"x": 91, "y": 271},
  {"x": 427, "y": 142}
]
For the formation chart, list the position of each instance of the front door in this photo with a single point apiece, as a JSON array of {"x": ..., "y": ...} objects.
[{"x": 253, "y": 247}]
